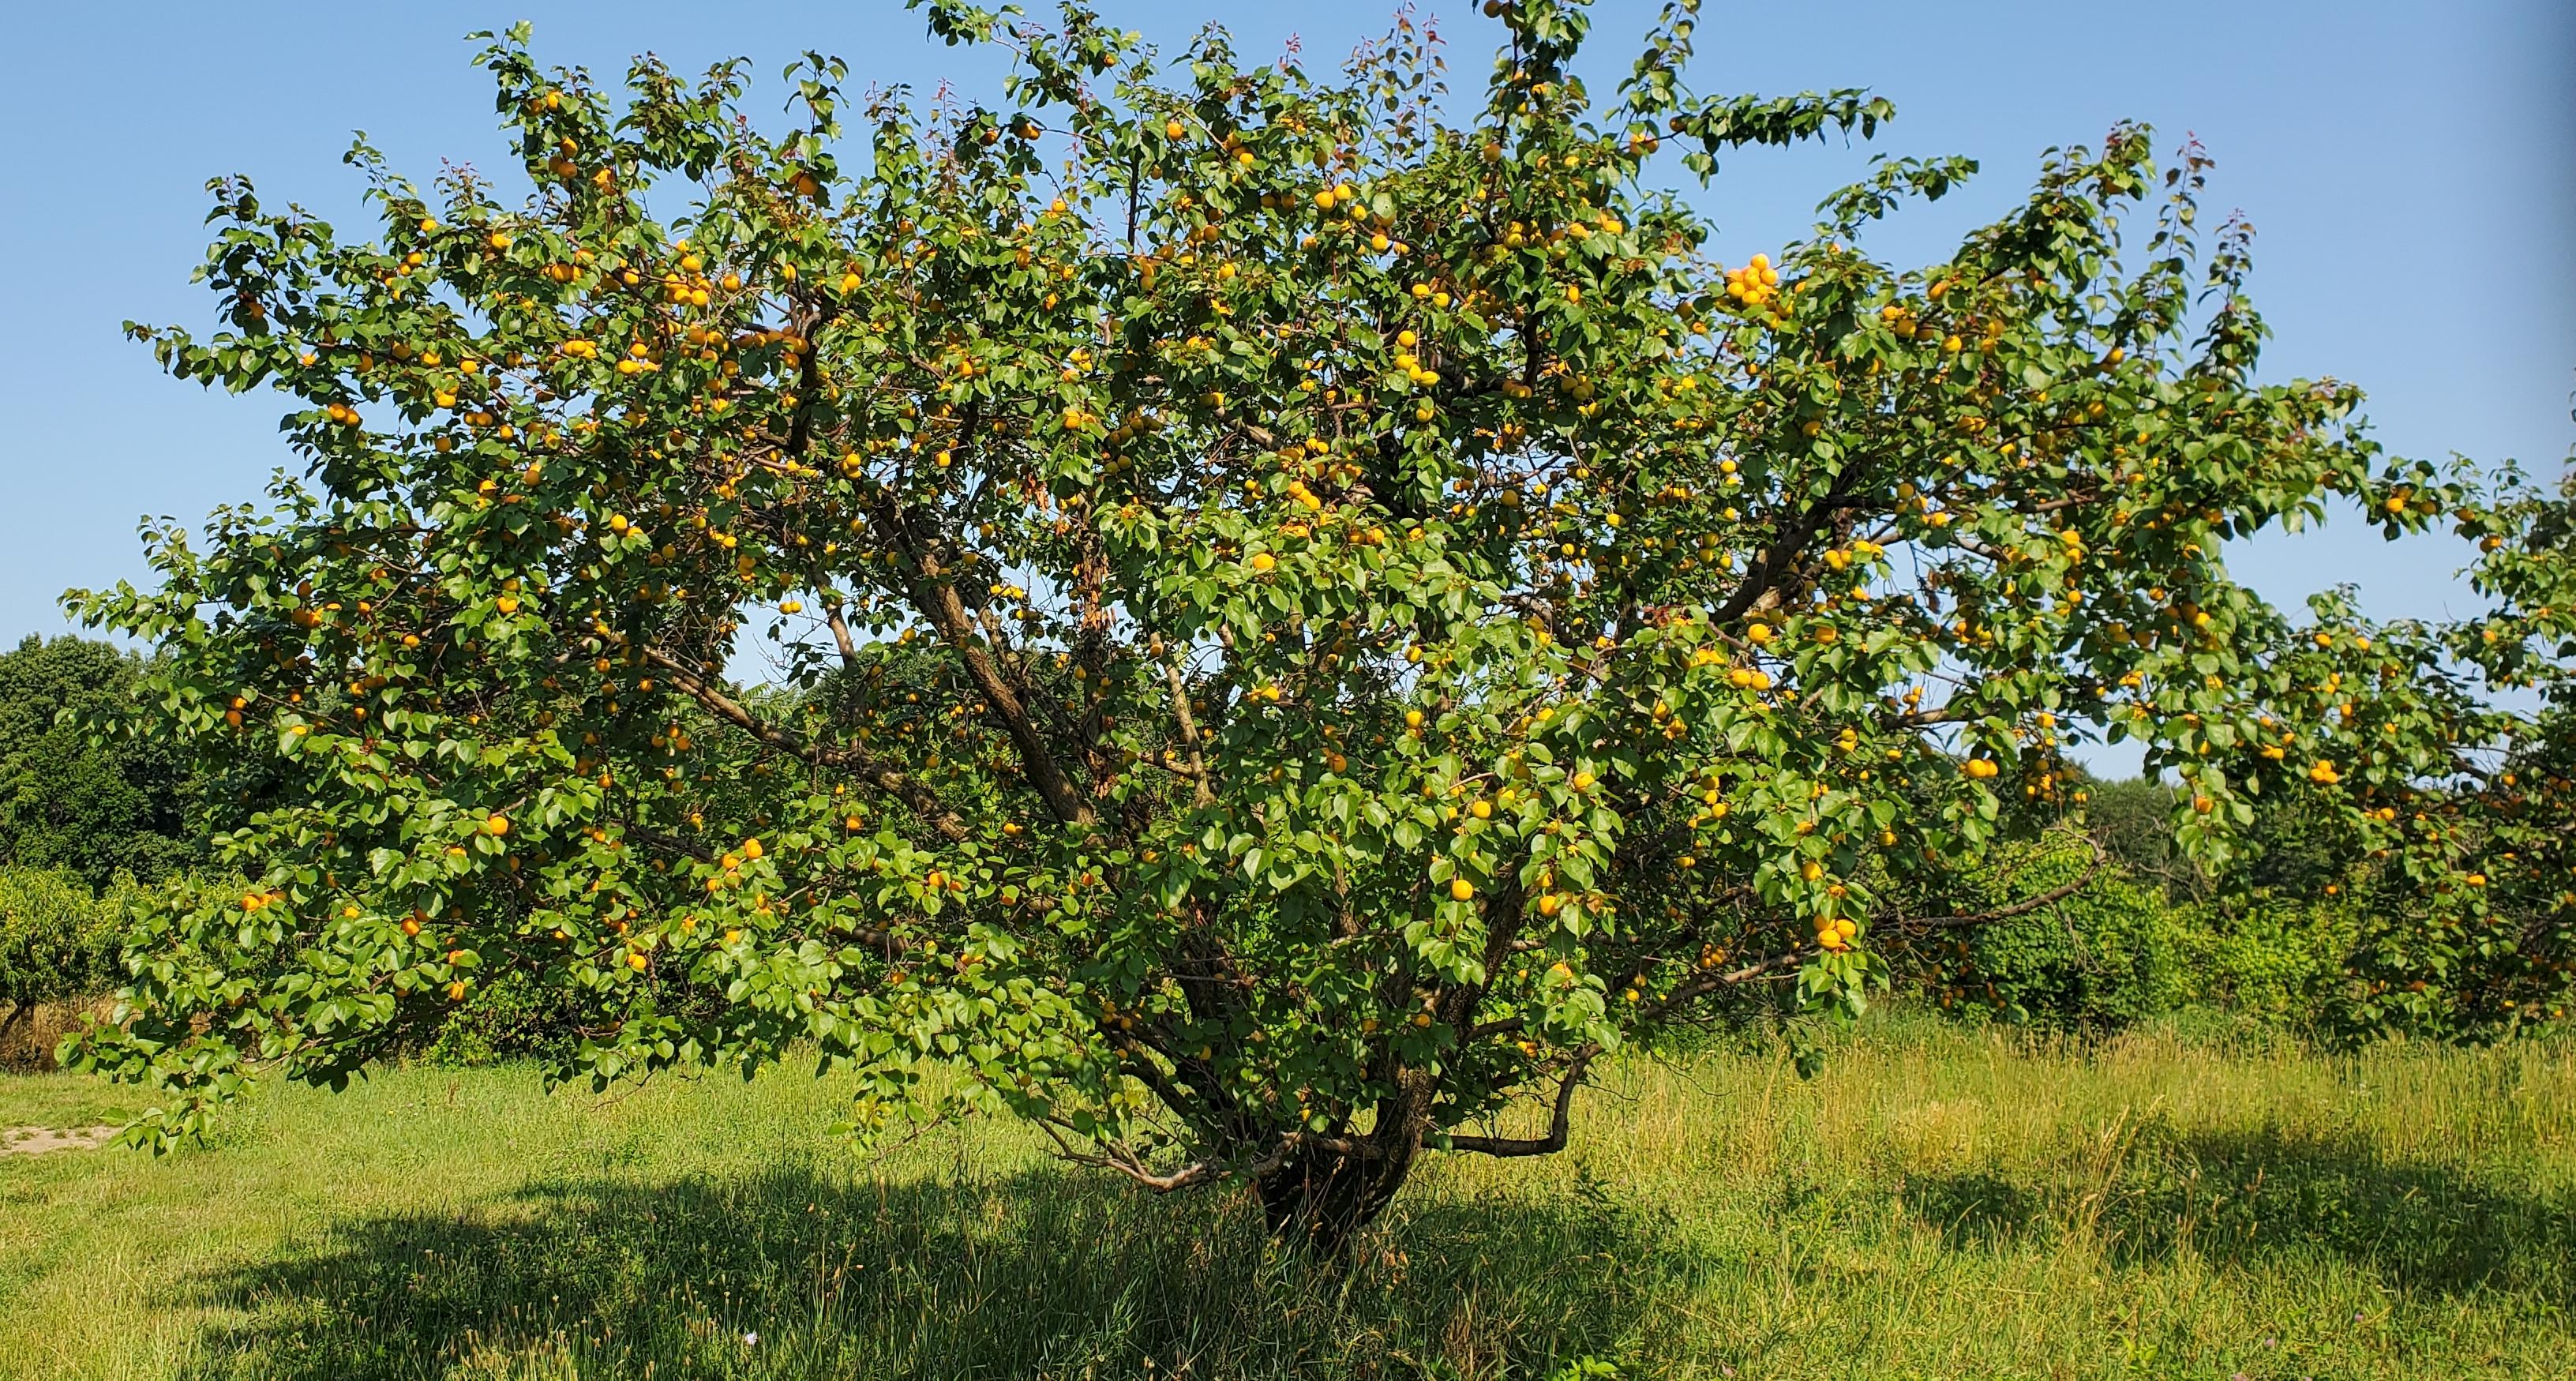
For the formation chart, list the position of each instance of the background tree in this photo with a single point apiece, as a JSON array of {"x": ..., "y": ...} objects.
[
  {"x": 1304, "y": 626},
  {"x": 71, "y": 800},
  {"x": 2466, "y": 876}
]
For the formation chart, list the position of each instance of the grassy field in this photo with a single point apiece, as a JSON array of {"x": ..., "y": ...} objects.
[{"x": 1936, "y": 1204}]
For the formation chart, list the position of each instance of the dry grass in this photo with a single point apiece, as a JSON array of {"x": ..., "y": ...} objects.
[{"x": 1937, "y": 1204}]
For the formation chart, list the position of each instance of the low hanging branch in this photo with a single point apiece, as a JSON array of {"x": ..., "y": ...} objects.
[{"x": 2100, "y": 859}]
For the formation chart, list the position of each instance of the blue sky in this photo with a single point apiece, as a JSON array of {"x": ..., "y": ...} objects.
[{"x": 2411, "y": 169}]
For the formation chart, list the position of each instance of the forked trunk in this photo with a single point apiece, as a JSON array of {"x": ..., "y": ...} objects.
[{"x": 1319, "y": 1198}]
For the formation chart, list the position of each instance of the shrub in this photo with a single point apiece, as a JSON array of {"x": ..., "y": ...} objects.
[
  {"x": 513, "y": 1016},
  {"x": 2283, "y": 963},
  {"x": 58, "y": 939},
  {"x": 2109, "y": 955}
]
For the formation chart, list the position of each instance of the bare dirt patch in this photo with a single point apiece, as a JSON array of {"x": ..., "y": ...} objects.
[{"x": 36, "y": 1141}]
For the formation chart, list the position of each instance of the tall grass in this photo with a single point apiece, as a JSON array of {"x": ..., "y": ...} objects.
[{"x": 1936, "y": 1204}]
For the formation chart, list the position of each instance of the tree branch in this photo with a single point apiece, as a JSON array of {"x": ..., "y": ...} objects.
[
  {"x": 1205, "y": 795},
  {"x": 937, "y": 599},
  {"x": 859, "y": 762},
  {"x": 1560, "y": 1121},
  {"x": 2051, "y": 897},
  {"x": 1786, "y": 544},
  {"x": 1204, "y": 1171},
  {"x": 841, "y": 636}
]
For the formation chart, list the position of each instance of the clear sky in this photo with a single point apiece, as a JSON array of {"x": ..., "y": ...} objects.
[{"x": 2411, "y": 169}]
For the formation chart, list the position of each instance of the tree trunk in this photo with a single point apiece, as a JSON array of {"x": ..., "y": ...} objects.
[{"x": 1318, "y": 1199}]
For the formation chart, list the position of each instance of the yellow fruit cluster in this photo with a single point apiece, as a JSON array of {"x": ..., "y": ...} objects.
[
  {"x": 1834, "y": 934},
  {"x": 1755, "y": 283}
]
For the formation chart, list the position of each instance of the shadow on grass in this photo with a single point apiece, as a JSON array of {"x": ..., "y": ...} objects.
[
  {"x": 800, "y": 1273},
  {"x": 2247, "y": 1200}
]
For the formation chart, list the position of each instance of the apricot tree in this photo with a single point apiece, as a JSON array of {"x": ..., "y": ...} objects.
[
  {"x": 2455, "y": 800},
  {"x": 1299, "y": 625}
]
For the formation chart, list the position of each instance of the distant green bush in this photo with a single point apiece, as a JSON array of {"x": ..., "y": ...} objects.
[
  {"x": 2112, "y": 954},
  {"x": 2148, "y": 935},
  {"x": 58, "y": 939},
  {"x": 2276, "y": 961},
  {"x": 511, "y": 1017}
]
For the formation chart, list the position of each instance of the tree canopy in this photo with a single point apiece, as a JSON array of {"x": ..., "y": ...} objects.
[
  {"x": 69, "y": 800},
  {"x": 1299, "y": 625}
]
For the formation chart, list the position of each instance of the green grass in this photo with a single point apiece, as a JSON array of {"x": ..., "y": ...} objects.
[{"x": 1937, "y": 1204}]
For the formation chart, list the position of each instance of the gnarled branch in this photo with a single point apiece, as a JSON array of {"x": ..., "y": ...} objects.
[
  {"x": 1560, "y": 1120},
  {"x": 2054, "y": 895},
  {"x": 864, "y": 765}
]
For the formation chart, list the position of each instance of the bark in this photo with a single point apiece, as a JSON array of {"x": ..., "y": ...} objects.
[{"x": 1319, "y": 1198}]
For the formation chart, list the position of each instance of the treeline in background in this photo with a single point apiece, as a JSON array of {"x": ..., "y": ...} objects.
[{"x": 2282, "y": 937}]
